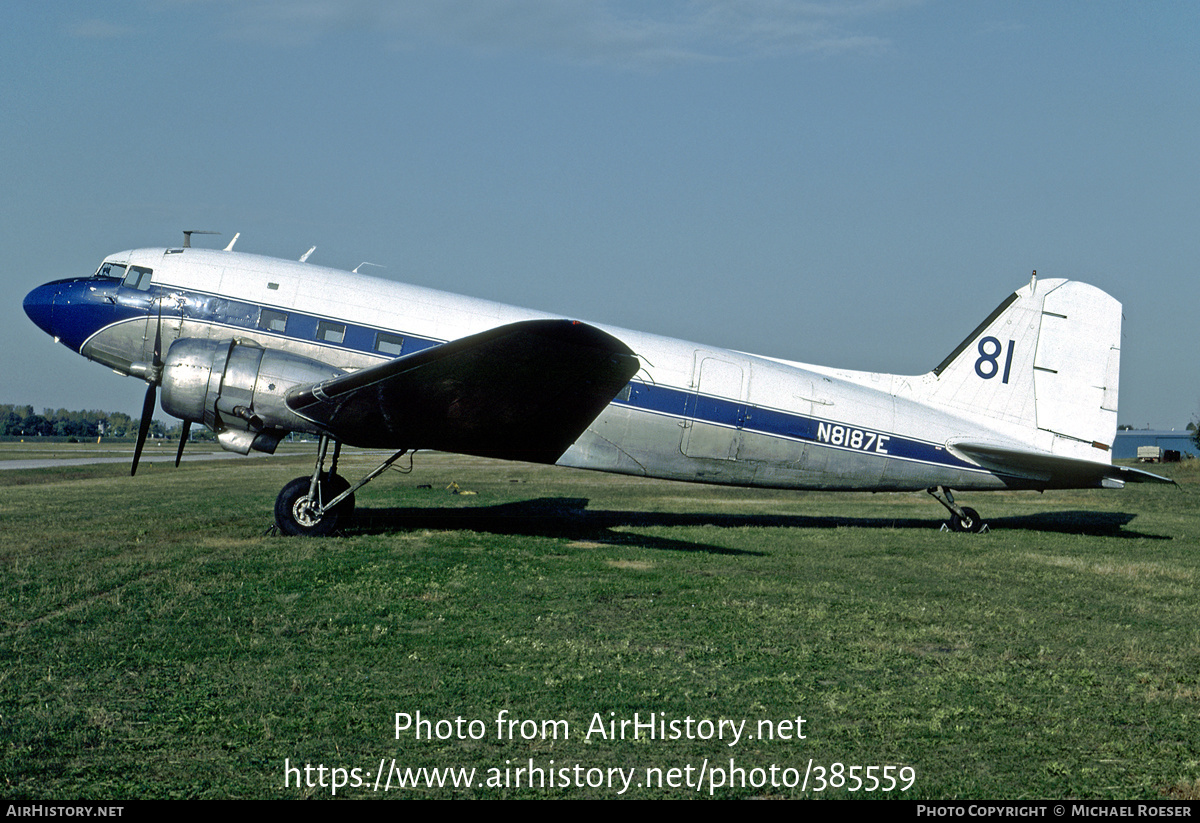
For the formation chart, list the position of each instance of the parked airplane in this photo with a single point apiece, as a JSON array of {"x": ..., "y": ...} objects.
[{"x": 255, "y": 347}]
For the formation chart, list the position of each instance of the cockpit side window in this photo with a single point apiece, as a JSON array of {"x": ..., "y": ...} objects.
[
  {"x": 138, "y": 278},
  {"x": 116, "y": 271}
]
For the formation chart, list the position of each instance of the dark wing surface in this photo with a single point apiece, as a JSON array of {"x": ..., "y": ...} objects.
[{"x": 525, "y": 391}]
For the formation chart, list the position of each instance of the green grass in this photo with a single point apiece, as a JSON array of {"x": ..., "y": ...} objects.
[{"x": 154, "y": 642}]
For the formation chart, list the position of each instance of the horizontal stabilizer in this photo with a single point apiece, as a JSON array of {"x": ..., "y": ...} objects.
[{"x": 1044, "y": 470}]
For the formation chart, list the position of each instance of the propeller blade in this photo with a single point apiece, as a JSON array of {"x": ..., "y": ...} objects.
[
  {"x": 144, "y": 425},
  {"x": 183, "y": 436},
  {"x": 148, "y": 405}
]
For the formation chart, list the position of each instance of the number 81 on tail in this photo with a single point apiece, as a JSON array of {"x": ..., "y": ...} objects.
[{"x": 989, "y": 353}]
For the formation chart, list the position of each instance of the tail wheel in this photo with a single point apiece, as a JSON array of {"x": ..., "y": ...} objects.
[
  {"x": 972, "y": 522},
  {"x": 297, "y": 514}
]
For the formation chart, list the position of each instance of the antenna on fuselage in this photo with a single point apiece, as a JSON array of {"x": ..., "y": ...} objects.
[
  {"x": 187, "y": 236},
  {"x": 231, "y": 242},
  {"x": 365, "y": 263},
  {"x": 304, "y": 257}
]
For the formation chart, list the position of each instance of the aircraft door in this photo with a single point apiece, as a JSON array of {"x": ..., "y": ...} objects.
[{"x": 717, "y": 409}]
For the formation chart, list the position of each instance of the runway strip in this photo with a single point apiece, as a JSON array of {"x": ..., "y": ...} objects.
[{"x": 88, "y": 461}]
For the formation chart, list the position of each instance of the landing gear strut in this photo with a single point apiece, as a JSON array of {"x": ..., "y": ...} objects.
[
  {"x": 962, "y": 518},
  {"x": 320, "y": 504}
]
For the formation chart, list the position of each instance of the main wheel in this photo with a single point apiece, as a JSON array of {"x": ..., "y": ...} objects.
[
  {"x": 296, "y": 514},
  {"x": 971, "y": 523},
  {"x": 332, "y": 486}
]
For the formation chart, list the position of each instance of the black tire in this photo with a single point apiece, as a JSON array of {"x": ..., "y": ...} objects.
[
  {"x": 292, "y": 516},
  {"x": 335, "y": 485},
  {"x": 972, "y": 523}
]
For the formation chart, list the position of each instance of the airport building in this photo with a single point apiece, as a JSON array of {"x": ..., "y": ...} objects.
[{"x": 1125, "y": 447}]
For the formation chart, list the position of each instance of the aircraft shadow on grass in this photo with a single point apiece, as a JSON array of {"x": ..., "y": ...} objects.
[
  {"x": 570, "y": 517},
  {"x": 1097, "y": 524}
]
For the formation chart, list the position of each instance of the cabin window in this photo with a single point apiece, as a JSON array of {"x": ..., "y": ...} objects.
[
  {"x": 386, "y": 343},
  {"x": 271, "y": 320},
  {"x": 138, "y": 278},
  {"x": 331, "y": 332}
]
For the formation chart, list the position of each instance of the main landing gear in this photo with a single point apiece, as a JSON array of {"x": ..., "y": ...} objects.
[
  {"x": 962, "y": 518},
  {"x": 318, "y": 505}
]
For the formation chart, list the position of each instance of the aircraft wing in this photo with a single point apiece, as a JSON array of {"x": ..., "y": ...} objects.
[
  {"x": 1045, "y": 470},
  {"x": 524, "y": 391}
]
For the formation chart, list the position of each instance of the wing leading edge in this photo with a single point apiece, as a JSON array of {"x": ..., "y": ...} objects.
[{"x": 524, "y": 391}]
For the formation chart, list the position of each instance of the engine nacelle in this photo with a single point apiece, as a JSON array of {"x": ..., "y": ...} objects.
[{"x": 237, "y": 389}]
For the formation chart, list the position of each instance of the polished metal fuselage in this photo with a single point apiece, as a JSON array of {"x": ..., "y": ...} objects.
[{"x": 694, "y": 412}]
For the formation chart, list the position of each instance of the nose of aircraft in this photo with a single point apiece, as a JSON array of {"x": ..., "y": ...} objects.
[{"x": 39, "y": 305}]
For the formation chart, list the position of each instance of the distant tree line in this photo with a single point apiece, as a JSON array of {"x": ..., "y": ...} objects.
[{"x": 23, "y": 421}]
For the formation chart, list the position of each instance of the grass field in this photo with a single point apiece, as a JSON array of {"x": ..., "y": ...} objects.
[{"x": 155, "y": 642}]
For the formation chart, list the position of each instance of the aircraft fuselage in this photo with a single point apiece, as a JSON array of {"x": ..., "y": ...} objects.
[{"x": 694, "y": 412}]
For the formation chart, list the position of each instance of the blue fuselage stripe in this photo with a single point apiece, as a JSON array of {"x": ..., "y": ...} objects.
[
  {"x": 688, "y": 404},
  {"x": 97, "y": 304}
]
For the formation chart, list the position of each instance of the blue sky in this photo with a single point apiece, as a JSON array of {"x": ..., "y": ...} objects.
[{"x": 853, "y": 183}]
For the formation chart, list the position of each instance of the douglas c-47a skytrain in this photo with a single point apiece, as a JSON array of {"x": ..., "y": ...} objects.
[{"x": 254, "y": 347}]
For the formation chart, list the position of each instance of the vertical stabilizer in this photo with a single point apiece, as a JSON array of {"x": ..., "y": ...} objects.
[{"x": 1046, "y": 360}]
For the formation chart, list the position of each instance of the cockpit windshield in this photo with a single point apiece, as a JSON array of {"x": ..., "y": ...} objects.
[{"x": 111, "y": 270}]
